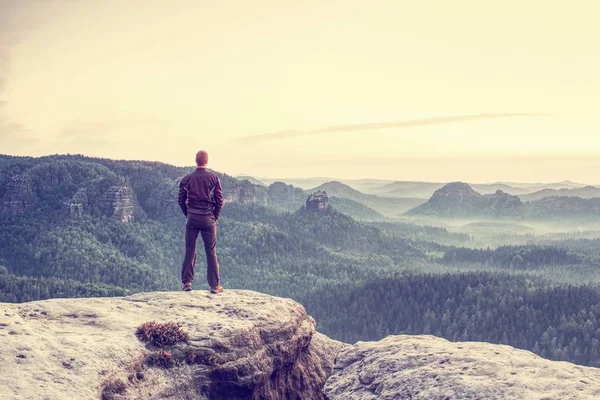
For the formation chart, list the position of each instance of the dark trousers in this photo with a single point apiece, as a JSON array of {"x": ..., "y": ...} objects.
[{"x": 206, "y": 225}]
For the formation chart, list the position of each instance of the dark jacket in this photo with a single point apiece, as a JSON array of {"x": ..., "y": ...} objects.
[{"x": 200, "y": 193}]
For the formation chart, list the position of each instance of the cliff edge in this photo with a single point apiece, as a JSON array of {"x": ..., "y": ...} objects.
[
  {"x": 246, "y": 345},
  {"x": 240, "y": 345},
  {"x": 427, "y": 367}
]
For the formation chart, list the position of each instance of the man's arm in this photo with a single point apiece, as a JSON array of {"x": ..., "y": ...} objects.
[
  {"x": 182, "y": 197},
  {"x": 218, "y": 196}
]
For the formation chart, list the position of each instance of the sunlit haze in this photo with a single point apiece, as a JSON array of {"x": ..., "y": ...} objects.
[{"x": 431, "y": 90}]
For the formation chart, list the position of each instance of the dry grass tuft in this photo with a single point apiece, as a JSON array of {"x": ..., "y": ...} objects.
[
  {"x": 161, "y": 334},
  {"x": 113, "y": 387}
]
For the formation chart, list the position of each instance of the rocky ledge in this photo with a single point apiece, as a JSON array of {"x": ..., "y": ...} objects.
[
  {"x": 427, "y": 367},
  {"x": 246, "y": 345},
  {"x": 241, "y": 345}
]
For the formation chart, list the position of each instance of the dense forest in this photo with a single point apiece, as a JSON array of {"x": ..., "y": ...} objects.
[
  {"x": 73, "y": 226},
  {"x": 513, "y": 256},
  {"x": 559, "y": 322}
]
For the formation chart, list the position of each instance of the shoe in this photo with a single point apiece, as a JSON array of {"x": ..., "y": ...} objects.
[
  {"x": 216, "y": 290},
  {"x": 187, "y": 287}
]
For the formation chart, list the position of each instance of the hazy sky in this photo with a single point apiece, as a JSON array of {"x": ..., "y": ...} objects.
[{"x": 429, "y": 90}]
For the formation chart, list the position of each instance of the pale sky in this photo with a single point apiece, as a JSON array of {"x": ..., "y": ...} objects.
[{"x": 408, "y": 90}]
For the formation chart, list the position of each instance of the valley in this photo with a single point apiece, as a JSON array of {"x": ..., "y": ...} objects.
[{"x": 460, "y": 265}]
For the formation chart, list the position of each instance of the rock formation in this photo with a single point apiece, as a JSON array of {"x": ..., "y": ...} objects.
[
  {"x": 78, "y": 205},
  {"x": 241, "y": 345},
  {"x": 246, "y": 345},
  {"x": 318, "y": 201},
  {"x": 19, "y": 195},
  {"x": 430, "y": 368},
  {"x": 118, "y": 202}
]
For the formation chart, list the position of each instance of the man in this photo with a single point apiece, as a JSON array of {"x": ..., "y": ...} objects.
[{"x": 201, "y": 200}]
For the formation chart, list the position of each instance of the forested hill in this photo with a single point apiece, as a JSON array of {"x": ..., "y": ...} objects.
[
  {"x": 74, "y": 186},
  {"x": 459, "y": 200},
  {"x": 79, "y": 226}
]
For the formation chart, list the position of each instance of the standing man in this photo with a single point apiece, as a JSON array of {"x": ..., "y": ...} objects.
[{"x": 201, "y": 200}]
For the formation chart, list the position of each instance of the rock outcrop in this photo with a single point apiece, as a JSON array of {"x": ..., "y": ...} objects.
[
  {"x": 78, "y": 205},
  {"x": 241, "y": 345},
  {"x": 118, "y": 202},
  {"x": 317, "y": 201},
  {"x": 246, "y": 345},
  {"x": 426, "y": 367},
  {"x": 19, "y": 195}
]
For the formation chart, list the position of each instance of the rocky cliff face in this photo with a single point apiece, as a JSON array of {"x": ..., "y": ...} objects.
[
  {"x": 430, "y": 368},
  {"x": 19, "y": 195},
  {"x": 75, "y": 186},
  {"x": 241, "y": 345},
  {"x": 318, "y": 201},
  {"x": 118, "y": 202},
  {"x": 78, "y": 205},
  {"x": 246, "y": 345}
]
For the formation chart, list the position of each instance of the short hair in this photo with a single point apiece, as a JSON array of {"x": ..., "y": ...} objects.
[{"x": 201, "y": 158}]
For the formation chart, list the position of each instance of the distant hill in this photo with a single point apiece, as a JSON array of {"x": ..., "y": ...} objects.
[
  {"x": 284, "y": 197},
  {"x": 363, "y": 185},
  {"x": 562, "y": 208},
  {"x": 383, "y": 205},
  {"x": 408, "y": 189},
  {"x": 458, "y": 199},
  {"x": 421, "y": 189},
  {"x": 586, "y": 192},
  {"x": 355, "y": 209},
  {"x": 369, "y": 186},
  {"x": 250, "y": 179},
  {"x": 491, "y": 188},
  {"x": 288, "y": 198},
  {"x": 532, "y": 187},
  {"x": 302, "y": 183},
  {"x": 332, "y": 228},
  {"x": 426, "y": 189}
]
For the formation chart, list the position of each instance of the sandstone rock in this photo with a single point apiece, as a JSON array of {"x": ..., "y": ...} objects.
[
  {"x": 317, "y": 201},
  {"x": 426, "y": 367},
  {"x": 118, "y": 202},
  {"x": 78, "y": 205},
  {"x": 19, "y": 195},
  {"x": 242, "y": 345}
]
